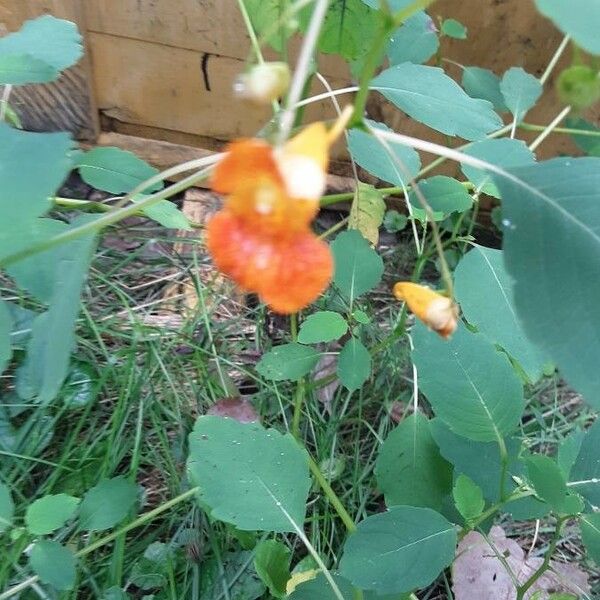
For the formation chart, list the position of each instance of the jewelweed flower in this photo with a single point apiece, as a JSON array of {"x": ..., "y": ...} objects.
[
  {"x": 438, "y": 312},
  {"x": 262, "y": 237}
]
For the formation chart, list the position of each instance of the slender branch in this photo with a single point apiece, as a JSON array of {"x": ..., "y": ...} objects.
[
  {"x": 549, "y": 128},
  {"x": 554, "y": 60}
]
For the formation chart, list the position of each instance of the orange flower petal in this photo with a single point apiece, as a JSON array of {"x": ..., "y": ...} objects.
[
  {"x": 438, "y": 312},
  {"x": 245, "y": 159}
]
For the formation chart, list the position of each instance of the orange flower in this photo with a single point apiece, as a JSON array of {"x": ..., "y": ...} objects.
[
  {"x": 438, "y": 312},
  {"x": 262, "y": 237}
]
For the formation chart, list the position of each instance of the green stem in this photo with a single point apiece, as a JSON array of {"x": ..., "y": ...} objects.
[
  {"x": 298, "y": 404},
  {"x": 504, "y": 467}
]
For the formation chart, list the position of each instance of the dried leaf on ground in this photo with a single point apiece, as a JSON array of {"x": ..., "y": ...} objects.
[
  {"x": 326, "y": 367},
  {"x": 479, "y": 573},
  {"x": 239, "y": 409}
]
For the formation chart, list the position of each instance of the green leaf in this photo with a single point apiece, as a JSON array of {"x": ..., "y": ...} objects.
[
  {"x": 53, "y": 564},
  {"x": 569, "y": 450},
  {"x": 416, "y": 41},
  {"x": 354, "y": 364},
  {"x": 579, "y": 86},
  {"x": 372, "y": 156},
  {"x": 410, "y": 469},
  {"x": 53, "y": 41},
  {"x": 79, "y": 388},
  {"x": 502, "y": 153},
  {"x": 19, "y": 69},
  {"x": 470, "y": 385},
  {"x": 520, "y": 91},
  {"x": 483, "y": 84},
  {"x": 272, "y": 563},
  {"x": 53, "y": 337},
  {"x": 547, "y": 480},
  {"x": 585, "y": 474},
  {"x": 253, "y": 478},
  {"x": 468, "y": 497},
  {"x": 358, "y": 268},
  {"x": 287, "y": 362},
  {"x": 107, "y": 503},
  {"x": 577, "y": 18},
  {"x": 7, "y": 507},
  {"x": 444, "y": 196},
  {"x": 394, "y": 221},
  {"x": 50, "y": 513},
  {"x": 151, "y": 570},
  {"x": 429, "y": 96},
  {"x": 381, "y": 555},
  {"x": 552, "y": 223},
  {"x": 322, "y": 326},
  {"x": 32, "y": 167},
  {"x": 590, "y": 144},
  {"x": 266, "y": 18},
  {"x": 590, "y": 535},
  {"x": 454, "y": 29},
  {"x": 167, "y": 214},
  {"x": 366, "y": 213},
  {"x": 485, "y": 293},
  {"x": 115, "y": 170},
  {"x": 6, "y": 326},
  {"x": 115, "y": 593},
  {"x": 234, "y": 570}
]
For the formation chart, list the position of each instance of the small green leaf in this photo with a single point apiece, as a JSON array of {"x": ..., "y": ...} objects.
[
  {"x": 266, "y": 18},
  {"x": 354, "y": 364},
  {"x": 7, "y": 507},
  {"x": 358, "y": 268},
  {"x": 287, "y": 362},
  {"x": 547, "y": 480},
  {"x": 444, "y": 196},
  {"x": 53, "y": 564},
  {"x": 366, "y": 212},
  {"x": 107, "y": 504},
  {"x": 590, "y": 535},
  {"x": 410, "y": 469},
  {"x": 236, "y": 569},
  {"x": 454, "y": 29},
  {"x": 416, "y": 41},
  {"x": 483, "y": 84},
  {"x": 151, "y": 570},
  {"x": 579, "y": 86},
  {"x": 253, "y": 478},
  {"x": 471, "y": 386},
  {"x": 322, "y": 326},
  {"x": 115, "y": 593},
  {"x": 394, "y": 221},
  {"x": 272, "y": 563},
  {"x": 468, "y": 497},
  {"x": 429, "y": 96},
  {"x": 360, "y": 316},
  {"x": 115, "y": 170},
  {"x": 19, "y": 69},
  {"x": 381, "y": 555},
  {"x": 590, "y": 144},
  {"x": 375, "y": 158},
  {"x": 166, "y": 213},
  {"x": 585, "y": 474},
  {"x": 6, "y": 326},
  {"x": 79, "y": 387},
  {"x": 520, "y": 91},
  {"x": 569, "y": 450},
  {"x": 50, "y": 513}
]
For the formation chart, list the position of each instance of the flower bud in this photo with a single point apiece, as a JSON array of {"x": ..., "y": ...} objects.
[{"x": 263, "y": 83}]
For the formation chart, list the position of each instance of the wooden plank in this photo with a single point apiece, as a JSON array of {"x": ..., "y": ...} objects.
[{"x": 67, "y": 104}]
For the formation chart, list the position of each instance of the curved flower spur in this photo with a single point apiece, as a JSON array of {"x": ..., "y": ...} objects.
[{"x": 262, "y": 238}]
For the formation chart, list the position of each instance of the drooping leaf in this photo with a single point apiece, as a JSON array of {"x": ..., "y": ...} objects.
[
  {"x": 577, "y": 18},
  {"x": 53, "y": 563},
  {"x": 416, "y": 41},
  {"x": 470, "y": 385},
  {"x": 354, "y": 364},
  {"x": 468, "y": 497},
  {"x": 322, "y": 326},
  {"x": 20, "y": 69},
  {"x": 585, "y": 474},
  {"x": 380, "y": 556},
  {"x": 7, "y": 507},
  {"x": 503, "y": 153},
  {"x": 484, "y": 291},
  {"x": 166, "y": 214},
  {"x": 107, "y": 503},
  {"x": 115, "y": 170},
  {"x": 32, "y": 167},
  {"x": 366, "y": 213},
  {"x": 375, "y": 158},
  {"x": 454, "y": 29},
  {"x": 568, "y": 451},
  {"x": 272, "y": 563},
  {"x": 590, "y": 535},
  {"x": 49, "y": 513},
  {"x": 444, "y": 196},
  {"x": 253, "y": 478},
  {"x": 483, "y": 84},
  {"x": 429, "y": 96},
  {"x": 6, "y": 327},
  {"x": 410, "y": 469},
  {"x": 287, "y": 362},
  {"x": 547, "y": 480},
  {"x": 552, "y": 215},
  {"x": 520, "y": 91},
  {"x": 358, "y": 268}
]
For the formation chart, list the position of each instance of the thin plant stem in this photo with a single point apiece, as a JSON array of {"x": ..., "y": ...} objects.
[
  {"x": 6, "y": 92},
  {"x": 548, "y": 130},
  {"x": 554, "y": 60}
]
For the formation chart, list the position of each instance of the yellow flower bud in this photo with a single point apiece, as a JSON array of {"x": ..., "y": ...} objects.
[{"x": 263, "y": 83}]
